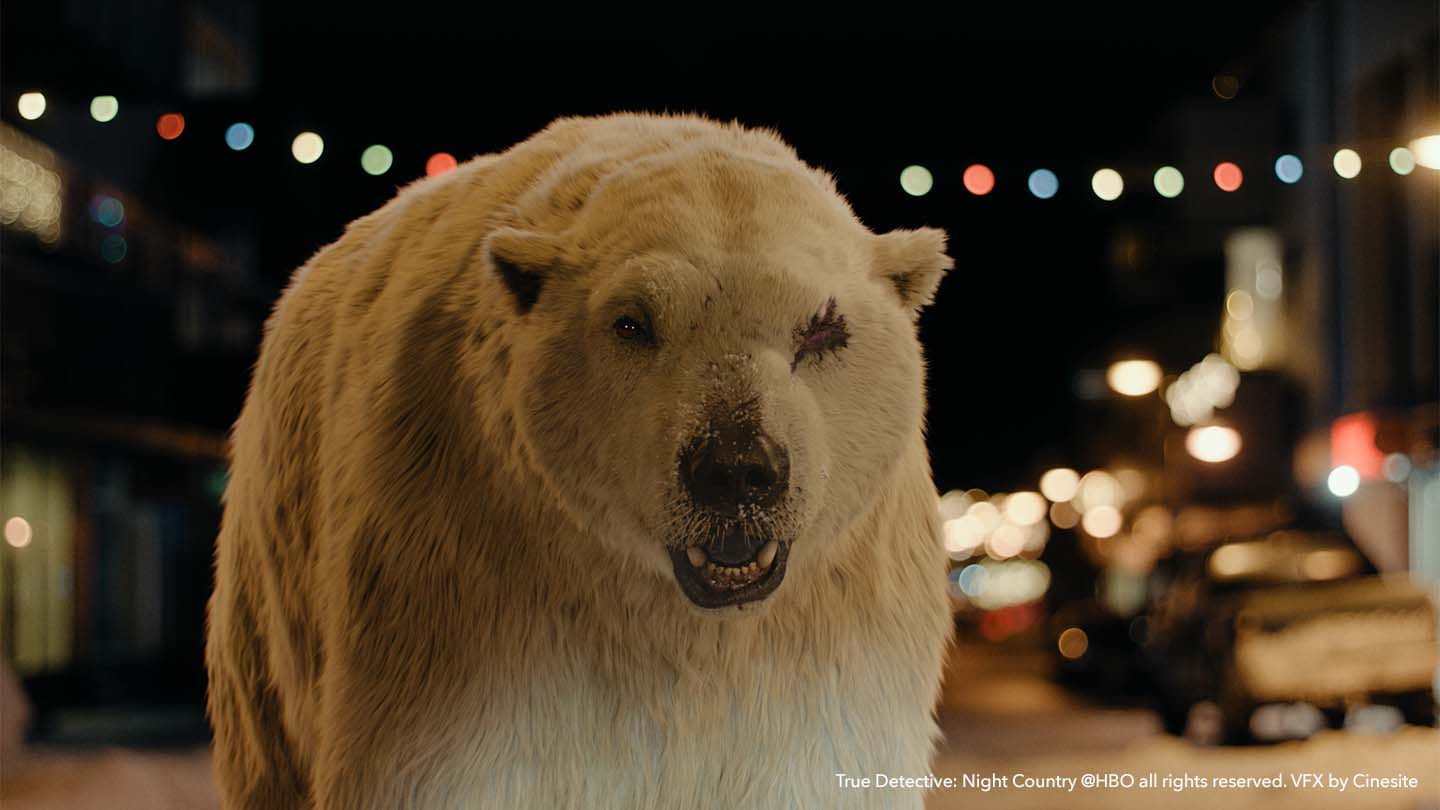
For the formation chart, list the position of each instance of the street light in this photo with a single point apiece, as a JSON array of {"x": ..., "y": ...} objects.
[
  {"x": 1427, "y": 151},
  {"x": 1059, "y": 484},
  {"x": 1213, "y": 443},
  {"x": 1343, "y": 481},
  {"x": 18, "y": 532},
  {"x": 1133, "y": 378}
]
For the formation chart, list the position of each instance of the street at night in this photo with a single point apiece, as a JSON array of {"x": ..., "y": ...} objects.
[{"x": 1016, "y": 407}]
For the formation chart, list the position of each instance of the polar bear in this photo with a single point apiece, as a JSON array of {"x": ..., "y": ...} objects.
[{"x": 587, "y": 475}]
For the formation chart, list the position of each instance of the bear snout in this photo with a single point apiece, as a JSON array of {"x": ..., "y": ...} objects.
[{"x": 734, "y": 465}]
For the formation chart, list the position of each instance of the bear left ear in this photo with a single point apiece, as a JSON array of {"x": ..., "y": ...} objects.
[
  {"x": 523, "y": 260},
  {"x": 912, "y": 262}
]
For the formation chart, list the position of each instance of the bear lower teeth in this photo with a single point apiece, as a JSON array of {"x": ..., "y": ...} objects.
[{"x": 730, "y": 578}]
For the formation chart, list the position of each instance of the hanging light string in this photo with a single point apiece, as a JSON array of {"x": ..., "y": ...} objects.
[{"x": 978, "y": 179}]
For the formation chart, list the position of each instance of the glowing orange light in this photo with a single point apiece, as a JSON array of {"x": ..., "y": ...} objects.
[
  {"x": 1073, "y": 643},
  {"x": 1352, "y": 443},
  {"x": 439, "y": 163},
  {"x": 170, "y": 126},
  {"x": 979, "y": 180},
  {"x": 1228, "y": 176}
]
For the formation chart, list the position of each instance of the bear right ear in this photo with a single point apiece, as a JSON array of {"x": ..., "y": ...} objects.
[
  {"x": 523, "y": 260},
  {"x": 912, "y": 262}
]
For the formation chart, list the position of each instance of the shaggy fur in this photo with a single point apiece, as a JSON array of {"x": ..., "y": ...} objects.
[{"x": 443, "y": 576}]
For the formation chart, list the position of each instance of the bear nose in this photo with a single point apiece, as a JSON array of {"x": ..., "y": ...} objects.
[{"x": 735, "y": 465}]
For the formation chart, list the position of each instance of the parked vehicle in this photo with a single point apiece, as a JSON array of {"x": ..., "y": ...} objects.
[{"x": 1274, "y": 638}]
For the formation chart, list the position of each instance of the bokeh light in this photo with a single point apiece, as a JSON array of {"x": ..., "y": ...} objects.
[
  {"x": 1169, "y": 182},
  {"x": 1073, "y": 643},
  {"x": 997, "y": 585},
  {"x": 987, "y": 514},
  {"x": 439, "y": 163},
  {"x": 376, "y": 160},
  {"x": 1228, "y": 176},
  {"x": 1213, "y": 443},
  {"x": 1289, "y": 169},
  {"x": 978, "y": 179},
  {"x": 1246, "y": 346},
  {"x": 1064, "y": 515},
  {"x": 1025, "y": 508},
  {"x": 31, "y": 105},
  {"x": 1043, "y": 183},
  {"x": 1005, "y": 525},
  {"x": 1225, "y": 86},
  {"x": 1133, "y": 378},
  {"x": 1402, "y": 160},
  {"x": 1059, "y": 484},
  {"x": 1098, "y": 488},
  {"x": 953, "y": 504},
  {"x": 1006, "y": 541},
  {"x": 170, "y": 125},
  {"x": 307, "y": 147},
  {"x": 1347, "y": 163},
  {"x": 113, "y": 248},
  {"x": 971, "y": 579},
  {"x": 916, "y": 181},
  {"x": 18, "y": 532},
  {"x": 1427, "y": 151},
  {"x": 107, "y": 211},
  {"x": 1396, "y": 467},
  {"x": 962, "y": 535},
  {"x": 1101, "y": 522},
  {"x": 104, "y": 108},
  {"x": 1343, "y": 481},
  {"x": 239, "y": 136},
  {"x": 1239, "y": 305},
  {"x": 1207, "y": 385},
  {"x": 1107, "y": 184}
]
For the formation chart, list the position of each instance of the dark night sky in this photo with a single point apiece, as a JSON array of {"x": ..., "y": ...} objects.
[{"x": 1033, "y": 297}]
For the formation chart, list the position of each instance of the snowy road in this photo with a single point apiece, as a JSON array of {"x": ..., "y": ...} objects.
[{"x": 1002, "y": 719}]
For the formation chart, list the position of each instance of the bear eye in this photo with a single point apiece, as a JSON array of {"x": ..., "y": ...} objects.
[
  {"x": 631, "y": 330},
  {"x": 825, "y": 333}
]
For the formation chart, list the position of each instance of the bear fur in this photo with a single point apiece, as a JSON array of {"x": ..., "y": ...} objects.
[{"x": 443, "y": 576}]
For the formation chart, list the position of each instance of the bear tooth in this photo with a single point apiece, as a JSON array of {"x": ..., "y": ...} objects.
[
  {"x": 767, "y": 554},
  {"x": 696, "y": 555}
]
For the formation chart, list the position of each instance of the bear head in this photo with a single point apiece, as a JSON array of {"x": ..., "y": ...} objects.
[{"x": 717, "y": 363}]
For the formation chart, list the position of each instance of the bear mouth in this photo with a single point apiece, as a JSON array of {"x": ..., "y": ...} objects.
[{"x": 711, "y": 583}]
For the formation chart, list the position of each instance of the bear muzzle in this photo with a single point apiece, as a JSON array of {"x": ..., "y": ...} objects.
[{"x": 737, "y": 475}]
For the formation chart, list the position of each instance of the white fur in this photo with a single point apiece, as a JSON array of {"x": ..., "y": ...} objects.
[{"x": 442, "y": 578}]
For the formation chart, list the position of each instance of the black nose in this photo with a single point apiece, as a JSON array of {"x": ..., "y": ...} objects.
[{"x": 734, "y": 465}]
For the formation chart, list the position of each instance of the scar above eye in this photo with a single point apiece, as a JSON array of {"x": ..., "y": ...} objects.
[{"x": 824, "y": 333}]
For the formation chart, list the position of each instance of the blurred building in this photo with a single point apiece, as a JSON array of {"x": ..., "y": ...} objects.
[
  {"x": 128, "y": 322},
  {"x": 1361, "y": 335},
  {"x": 1279, "y": 307}
]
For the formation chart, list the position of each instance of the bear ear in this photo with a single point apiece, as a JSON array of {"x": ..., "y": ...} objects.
[
  {"x": 523, "y": 260},
  {"x": 912, "y": 262}
]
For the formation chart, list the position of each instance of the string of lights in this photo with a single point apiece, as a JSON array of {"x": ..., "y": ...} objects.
[
  {"x": 1108, "y": 184},
  {"x": 978, "y": 179}
]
